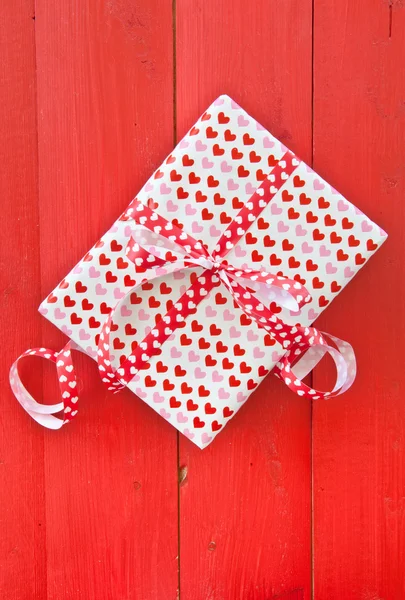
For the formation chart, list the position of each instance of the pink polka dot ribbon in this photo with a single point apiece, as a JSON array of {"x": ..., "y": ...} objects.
[
  {"x": 44, "y": 414},
  {"x": 159, "y": 246}
]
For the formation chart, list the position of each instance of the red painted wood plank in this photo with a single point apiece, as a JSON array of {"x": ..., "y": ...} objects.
[
  {"x": 105, "y": 121},
  {"x": 245, "y": 505},
  {"x": 359, "y": 453},
  {"x": 22, "y": 525}
]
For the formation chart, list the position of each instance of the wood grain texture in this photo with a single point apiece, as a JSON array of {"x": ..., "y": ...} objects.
[
  {"x": 87, "y": 107},
  {"x": 359, "y": 468},
  {"x": 105, "y": 78},
  {"x": 245, "y": 505},
  {"x": 22, "y": 524}
]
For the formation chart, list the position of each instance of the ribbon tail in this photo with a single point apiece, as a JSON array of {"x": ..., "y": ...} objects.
[
  {"x": 155, "y": 255},
  {"x": 44, "y": 414},
  {"x": 117, "y": 379},
  {"x": 286, "y": 293},
  {"x": 293, "y": 374}
]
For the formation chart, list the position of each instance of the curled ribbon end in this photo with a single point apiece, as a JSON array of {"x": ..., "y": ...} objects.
[{"x": 44, "y": 414}]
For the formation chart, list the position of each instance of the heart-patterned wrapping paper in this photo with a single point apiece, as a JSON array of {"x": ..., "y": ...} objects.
[{"x": 207, "y": 369}]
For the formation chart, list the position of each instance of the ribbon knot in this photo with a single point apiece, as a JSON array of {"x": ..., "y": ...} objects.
[
  {"x": 212, "y": 264},
  {"x": 211, "y": 261}
]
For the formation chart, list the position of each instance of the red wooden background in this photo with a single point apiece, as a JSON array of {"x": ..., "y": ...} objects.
[{"x": 291, "y": 502}]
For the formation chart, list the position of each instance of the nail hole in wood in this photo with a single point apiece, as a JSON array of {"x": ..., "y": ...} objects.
[{"x": 183, "y": 475}]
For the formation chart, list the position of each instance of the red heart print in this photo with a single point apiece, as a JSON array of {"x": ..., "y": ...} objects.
[
  {"x": 218, "y": 199},
  {"x": 227, "y": 412},
  {"x": 323, "y": 301},
  {"x": 94, "y": 324},
  {"x": 287, "y": 245},
  {"x": 168, "y": 385},
  {"x": 322, "y": 203},
  {"x": 121, "y": 263},
  {"x": 346, "y": 224},
  {"x": 248, "y": 140},
  {"x": 209, "y": 409},
  {"x": 212, "y": 182},
  {"x": 128, "y": 281},
  {"x": 206, "y": 214},
  {"x": 222, "y": 119},
  {"x": 221, "y": 347},
  {"x": 80, "y": 288},
  {"x": 68, "y": 302},
  {"x": 317, "y": 284},
  {"x": 238, "y": 351},
  {"x": 211, "y": 133},
  {"x": 110, "y": 277},
  {"x": 215, "y": 426},
  {"x": 298, "y": 182},
  {"x": 129, "y": 329},
  {"x": 86, "y": 305},
  {"x": 317, "y": 235},
  {"x": 174, "y": 403},
  {"x": 242, "y": 172},
  {"x": 193, "y": 178},
  {"x": 335, "y": 238},
  {"x": 293, "y": 263},
  {"x": 353, "y": 242},
  {"x": 203, "y": 344},
  {"x": 256, "y": 257},
  {"x": 182, "y": 194},
  {"x": 341, "y": 256},
  {"x": 236, "y": 155},
  {"x": 253, "y": 157},
  {"x": 329, "y": 222},
  {"x": 185, "y": 340},
  {"x": 149, "y": 382},
  {"x": 185, "y": 388},
  {"x": 268, "y": 242},
  {"x": 227, "y": 364},
  {"x": 118, "y": 345},
  {"x": 311, "y": 266},
  {"x": 262, "y": 224},
  {"x": 115, "y": 246},
  {"x": 304, "y": 199},
  {"x": 293, "y": 214},
  {"x": 214, "y": 330},
  {"x": 199, "y": 196},
  {"x": 217, "y": 150}
]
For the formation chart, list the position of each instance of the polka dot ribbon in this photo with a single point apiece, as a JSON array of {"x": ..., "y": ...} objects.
[
  {"x": 158, "y": 247},
  {"x": 44, "y": 414}
]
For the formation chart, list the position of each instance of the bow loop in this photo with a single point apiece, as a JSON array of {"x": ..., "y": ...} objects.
[{"x": 151, "y": 249}]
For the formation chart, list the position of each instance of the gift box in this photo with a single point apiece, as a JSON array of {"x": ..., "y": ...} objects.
[{"x": 211, "y": 279}]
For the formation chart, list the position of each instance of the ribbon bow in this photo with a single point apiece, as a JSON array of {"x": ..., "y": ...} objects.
[{"x": 158, "y": 247}]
